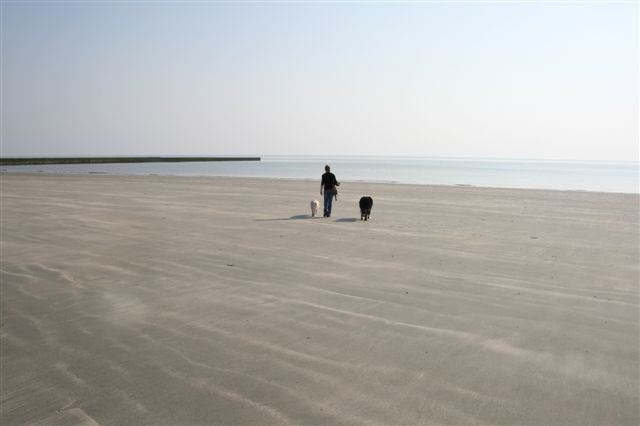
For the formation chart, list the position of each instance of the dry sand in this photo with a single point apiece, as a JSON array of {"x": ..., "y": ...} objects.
[{"x": 201, "y": 301}]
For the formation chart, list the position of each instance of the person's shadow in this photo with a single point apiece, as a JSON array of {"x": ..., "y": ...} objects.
[
  {"x": 307, "y": 216},
  {"x": 296, "y": 217}
]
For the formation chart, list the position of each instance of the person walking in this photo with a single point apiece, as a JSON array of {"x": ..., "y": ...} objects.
[{"x": 328, "y": 188}]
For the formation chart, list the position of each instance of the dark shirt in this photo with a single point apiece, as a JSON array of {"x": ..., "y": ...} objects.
[{"x": 329, "y": 181}]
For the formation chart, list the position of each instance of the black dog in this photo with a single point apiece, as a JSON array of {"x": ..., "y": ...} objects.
[{"x": 365, "y": 207}]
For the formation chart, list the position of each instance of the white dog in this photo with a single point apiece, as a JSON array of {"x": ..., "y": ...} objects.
[{"x": 315, "y": 205}]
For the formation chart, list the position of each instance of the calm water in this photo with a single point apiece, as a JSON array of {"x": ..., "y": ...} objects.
[{"x": 559, "y": 175}]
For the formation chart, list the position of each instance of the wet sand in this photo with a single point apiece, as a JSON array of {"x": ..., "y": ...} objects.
[{"x": 157, "y": 300}]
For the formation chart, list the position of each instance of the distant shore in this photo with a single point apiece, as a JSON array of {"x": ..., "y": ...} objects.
[
  {"x": 592, "y": 177},
  {"x": 18, "y": 161}
]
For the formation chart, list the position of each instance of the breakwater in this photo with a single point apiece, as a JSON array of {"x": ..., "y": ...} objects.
[{"x": 17, "y": 161}]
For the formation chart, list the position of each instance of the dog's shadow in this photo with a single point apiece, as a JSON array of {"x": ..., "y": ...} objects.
[
  {"x": 296, "y": 217},
  {"x": 347, "y": 220}
]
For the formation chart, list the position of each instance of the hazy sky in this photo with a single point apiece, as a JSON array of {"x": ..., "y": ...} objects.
[{"x": 552, "y": 80}]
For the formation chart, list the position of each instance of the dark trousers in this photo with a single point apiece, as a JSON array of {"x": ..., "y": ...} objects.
[{"x": 328, "y": 200}]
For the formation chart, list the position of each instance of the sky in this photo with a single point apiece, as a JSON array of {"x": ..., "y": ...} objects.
[{"x": 536, "y": 80}]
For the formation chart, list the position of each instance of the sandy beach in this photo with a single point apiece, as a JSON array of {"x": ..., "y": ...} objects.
[{"x": 155, "y": 300}]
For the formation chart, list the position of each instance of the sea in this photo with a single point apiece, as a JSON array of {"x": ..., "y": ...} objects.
[{"x": 594, "y": 176}]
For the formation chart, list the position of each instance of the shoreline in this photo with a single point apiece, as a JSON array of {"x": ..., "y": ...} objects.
[{"x": 372, "y": 182}]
